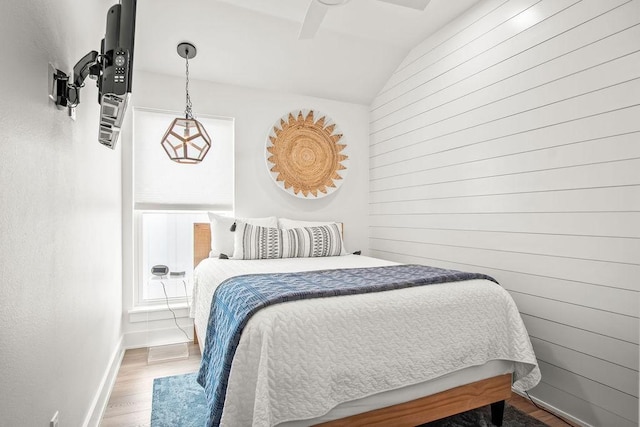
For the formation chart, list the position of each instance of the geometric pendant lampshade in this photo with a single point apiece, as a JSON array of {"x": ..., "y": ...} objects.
[{"x": 186, "y": 140}]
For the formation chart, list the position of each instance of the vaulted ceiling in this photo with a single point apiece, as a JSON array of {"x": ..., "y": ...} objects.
[{"x": 255, "y": 43}]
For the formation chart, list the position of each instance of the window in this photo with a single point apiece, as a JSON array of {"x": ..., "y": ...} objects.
[
  {"x": 170, "y": 197},
  {"x": 166, "y": 239}
]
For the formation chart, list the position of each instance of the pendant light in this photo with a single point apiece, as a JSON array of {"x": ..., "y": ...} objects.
[{"x": 186, "y": 140}]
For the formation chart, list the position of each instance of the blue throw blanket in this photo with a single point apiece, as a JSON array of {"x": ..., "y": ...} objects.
[{"x": 238, "y": 298}]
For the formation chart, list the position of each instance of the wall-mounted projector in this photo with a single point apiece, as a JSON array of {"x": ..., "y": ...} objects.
[{"x": 112, "y": 68}]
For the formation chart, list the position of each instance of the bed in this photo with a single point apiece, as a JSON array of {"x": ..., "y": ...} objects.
[{"x": 388, "y": 375}]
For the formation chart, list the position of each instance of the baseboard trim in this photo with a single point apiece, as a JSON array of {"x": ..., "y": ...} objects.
[
  {"x": 553, "y": 409},
  {"x": 101, "y": 398}
]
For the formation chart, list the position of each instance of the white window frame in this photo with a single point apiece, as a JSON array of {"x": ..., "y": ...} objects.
[{"x": 139, "y": 267}]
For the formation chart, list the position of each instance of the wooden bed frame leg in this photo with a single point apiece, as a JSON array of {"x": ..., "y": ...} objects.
[{"x": 497, "y": 413}]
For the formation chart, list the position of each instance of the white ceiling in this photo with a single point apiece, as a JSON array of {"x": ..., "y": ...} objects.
[{"x": 254, "y": 43}]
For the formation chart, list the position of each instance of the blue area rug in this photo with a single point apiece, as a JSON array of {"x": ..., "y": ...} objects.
[{"x": 178, "y": 401}]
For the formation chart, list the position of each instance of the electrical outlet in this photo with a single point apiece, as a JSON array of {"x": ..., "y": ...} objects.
[{"x": 54, "y": 420}]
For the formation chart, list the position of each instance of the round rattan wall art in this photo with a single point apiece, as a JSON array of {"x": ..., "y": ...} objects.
[{"x": 305, "y": 154}]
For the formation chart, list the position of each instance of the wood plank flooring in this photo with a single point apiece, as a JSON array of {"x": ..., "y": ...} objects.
[{"x": 130, "y": 401}]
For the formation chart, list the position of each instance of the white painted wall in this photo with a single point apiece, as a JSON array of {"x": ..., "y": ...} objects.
[
  {"x": 255, "y": 112},
  {"x": 60, "y": 204},
  {"x": 507, "y": 143}
]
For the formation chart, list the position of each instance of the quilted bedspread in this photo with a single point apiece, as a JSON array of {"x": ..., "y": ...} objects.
[
  {"x": 238, "y": 298},
  {"x": 297, "y": 360}
]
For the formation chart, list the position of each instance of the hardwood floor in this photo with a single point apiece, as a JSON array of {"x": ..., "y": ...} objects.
[
  {"x": 527, "y": 407},
  {"x": 130, "y": 401}
]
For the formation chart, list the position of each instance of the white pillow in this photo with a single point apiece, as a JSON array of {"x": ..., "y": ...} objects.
[
  {"x": 287, "y": 223},
  {"x": 255, "y": 242},
  {"x": 222, "y": 237}
]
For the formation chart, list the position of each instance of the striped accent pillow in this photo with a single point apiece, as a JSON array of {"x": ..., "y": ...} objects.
[
  {"x": 324, "y": 240},
  {"x": 255, "y": 242}
]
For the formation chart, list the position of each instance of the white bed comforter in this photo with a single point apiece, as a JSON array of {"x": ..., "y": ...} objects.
[{"x": 300, "y": 359}]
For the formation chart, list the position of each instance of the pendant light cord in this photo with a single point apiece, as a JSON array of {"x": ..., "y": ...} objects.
[{"x": 187, "y": 112}]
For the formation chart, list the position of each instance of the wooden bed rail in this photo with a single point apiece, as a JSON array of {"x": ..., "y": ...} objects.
[{"x": 492, "y": 391}]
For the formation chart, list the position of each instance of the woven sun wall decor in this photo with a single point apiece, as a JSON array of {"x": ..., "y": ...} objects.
[{"x": 305, "y": 154}]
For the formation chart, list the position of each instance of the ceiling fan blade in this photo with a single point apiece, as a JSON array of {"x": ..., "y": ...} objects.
[
  {"x": 312, "y": 20},
  {"x": 413, "y": 4}
]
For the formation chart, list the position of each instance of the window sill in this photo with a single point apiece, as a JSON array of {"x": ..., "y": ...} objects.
[{"x": 157, "y": 312}]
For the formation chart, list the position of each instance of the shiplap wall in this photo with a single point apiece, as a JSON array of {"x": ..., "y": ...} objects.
[{"x": 509, "y": 143}]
